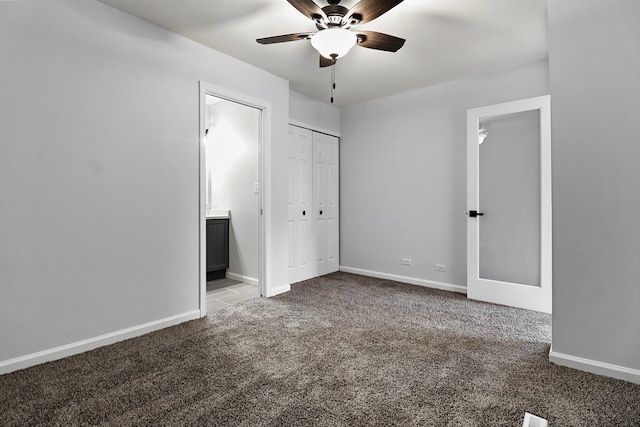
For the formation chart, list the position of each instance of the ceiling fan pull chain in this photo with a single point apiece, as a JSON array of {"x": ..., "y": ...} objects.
[{"x": 333, "y": 80}]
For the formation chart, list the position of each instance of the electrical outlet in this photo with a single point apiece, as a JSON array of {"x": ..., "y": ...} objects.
[
  {"x": 406, "y": 261},
  {"x": 441, "y": 267}
]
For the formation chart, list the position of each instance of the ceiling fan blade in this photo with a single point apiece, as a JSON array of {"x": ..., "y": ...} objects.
[
  {"x": 326, "y": 62},
  {"x": 308, "y": 8},
  {"x": 285, "y": 38},
  {"x": 379, "y": 41},
  {"x": 368, "y": 10}
]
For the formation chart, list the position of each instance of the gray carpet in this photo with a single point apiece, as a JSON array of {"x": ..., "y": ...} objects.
[{"x": 341, "y": 350}]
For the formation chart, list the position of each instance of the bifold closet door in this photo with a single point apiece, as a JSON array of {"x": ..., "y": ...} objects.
[
  {"x": 313, "y": 204},
  {"x": 325, "y": 202},
  {"x": 302, "y": 265}
]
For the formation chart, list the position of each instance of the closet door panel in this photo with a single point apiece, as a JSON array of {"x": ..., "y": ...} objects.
[
  {"x": 300, "y": 208},
  {"x": 319, "y": 178},
  {"x": 306, "y": 266},
  {"x": 325, "y": 163},
  {"x": 332, "y": 203},
  {"x": 292, "y": 153}
]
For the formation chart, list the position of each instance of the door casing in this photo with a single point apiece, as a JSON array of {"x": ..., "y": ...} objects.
[{"x": 263, "y": 170}]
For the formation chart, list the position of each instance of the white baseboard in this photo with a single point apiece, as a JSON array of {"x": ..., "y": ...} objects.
[
  {"x": 241, "y": 278},
  {"x": 404, "y": 279},
  {"x": 595, "y": 367},
  {"x": 60, "y": 352}
]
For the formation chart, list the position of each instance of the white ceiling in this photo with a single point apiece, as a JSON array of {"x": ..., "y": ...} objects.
[{"x": 446, "y": 40}]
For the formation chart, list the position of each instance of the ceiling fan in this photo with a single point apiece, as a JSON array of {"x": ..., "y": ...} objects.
[{"x": 335, "y": 22}]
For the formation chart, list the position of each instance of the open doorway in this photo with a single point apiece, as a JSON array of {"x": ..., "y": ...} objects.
[{"x": 231, "y": 223}]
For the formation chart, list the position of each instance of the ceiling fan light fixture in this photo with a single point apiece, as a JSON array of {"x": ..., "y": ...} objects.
[{"x": 333, "y": 43}]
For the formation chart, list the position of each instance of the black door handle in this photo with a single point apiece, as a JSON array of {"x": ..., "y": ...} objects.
[
  {"x": 304, "y": 212},
  {"x": 474, "y": 214},
  {"x": 320, "y": 212}
]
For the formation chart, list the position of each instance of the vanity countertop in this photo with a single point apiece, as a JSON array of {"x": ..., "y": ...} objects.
[{"x": 219, "y": 214}]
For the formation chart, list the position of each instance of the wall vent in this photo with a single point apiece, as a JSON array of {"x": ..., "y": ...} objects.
[{"x": 531, "y": 420}]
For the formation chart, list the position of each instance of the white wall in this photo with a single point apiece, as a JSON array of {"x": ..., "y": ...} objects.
[
  {"x": 99, "y": 173},
  {"x": 594, "y": 60},
  {"x": 403, "y": 175},
  {"x": 313, "y": 114},
  {"x": 232, "y": 164}
]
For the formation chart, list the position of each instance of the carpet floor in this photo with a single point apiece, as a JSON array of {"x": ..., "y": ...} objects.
[{"x": 339, "y": 350}]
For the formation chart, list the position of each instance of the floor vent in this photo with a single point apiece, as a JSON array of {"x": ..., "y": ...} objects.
[{"x": 531, "y": 420}]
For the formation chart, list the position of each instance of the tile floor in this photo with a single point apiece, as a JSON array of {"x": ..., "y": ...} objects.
[{"x": 225, "y": 292}]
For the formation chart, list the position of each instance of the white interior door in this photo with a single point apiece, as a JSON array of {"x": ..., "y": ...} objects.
[
  {"x": 509, "y": 204},
  {"x": 302, "y": 264},
  {"x": 325, "y": 201}
]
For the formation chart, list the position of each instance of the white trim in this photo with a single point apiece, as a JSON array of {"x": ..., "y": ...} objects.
[
  {"x": 595, "y": 367},
  {"x": 264, "y": 184},
  {"x": 273, "y": 291},
  {"x": 78, "y": 347},
  {"x": 314, "y": 128},
  {"x": 405, "y": 279},
  {"x": 202, "y": 213},
  {"x": 244, "y": 279}
]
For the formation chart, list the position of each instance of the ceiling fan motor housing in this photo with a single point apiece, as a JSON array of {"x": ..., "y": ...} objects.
[{"x": 335, "y": 14}]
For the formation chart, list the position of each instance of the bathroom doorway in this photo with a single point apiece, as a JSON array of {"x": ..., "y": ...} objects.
[{"x": 231, "y": 201}]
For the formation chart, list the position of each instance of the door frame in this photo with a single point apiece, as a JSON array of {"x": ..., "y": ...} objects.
[
  {"x": 264, "y": 144},
  {"x": 515, "y": 295}
]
